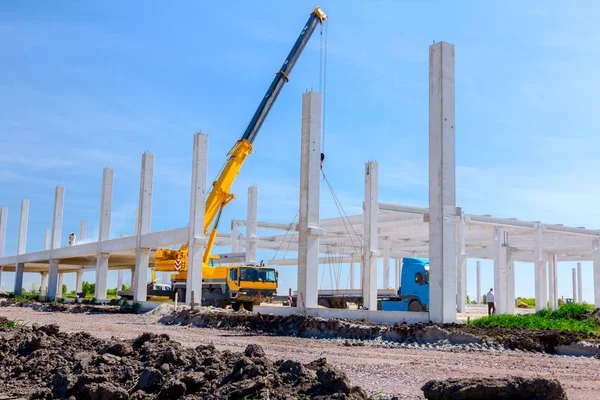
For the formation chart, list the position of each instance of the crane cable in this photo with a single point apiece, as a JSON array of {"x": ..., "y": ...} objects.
[
  {"x": 323, "y": 77},
  {"x": 283, "y": 240}
]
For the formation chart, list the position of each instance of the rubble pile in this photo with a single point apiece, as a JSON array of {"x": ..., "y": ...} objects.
[{"x": 43, "y": 363}]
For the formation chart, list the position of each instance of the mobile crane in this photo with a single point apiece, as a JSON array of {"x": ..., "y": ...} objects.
[{"x": 240, "y": 286}]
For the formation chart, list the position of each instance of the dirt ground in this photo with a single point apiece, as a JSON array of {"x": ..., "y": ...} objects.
[{"x": 394, "y": 371}]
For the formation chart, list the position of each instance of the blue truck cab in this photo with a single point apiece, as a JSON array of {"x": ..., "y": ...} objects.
[{"x": 413, "y": 294}]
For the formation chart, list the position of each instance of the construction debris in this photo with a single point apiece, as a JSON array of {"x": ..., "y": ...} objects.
[{"x": 42, "y": 363}]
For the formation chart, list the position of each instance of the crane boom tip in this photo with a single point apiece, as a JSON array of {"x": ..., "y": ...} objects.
[{"x": 320, "y": 13}]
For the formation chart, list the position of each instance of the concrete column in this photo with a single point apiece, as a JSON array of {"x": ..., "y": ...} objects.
[
  {"x": 44, "y": 284},
  {"x": 579, "y": 287},
  {"x": 52, "y": 280},
  {"x": 539, "y": 268},
  {"x": 352, "y": 275},
  {"x": 59, "y": 293},
  {"x": 59, "y": 201},
  {"x": 442, "y": 185},
  {"x": 500, "y": 270},
  {"x": 398, "y": 272},
  {"x": 544, "y": 284},
  {"x": 553, "y": 282},
  {"x": 82, "y": 231},
  {"x": 136, "y": 218},
  {"x": 104, "y": 233},
  {"x": 79, "y": 281},
  {"x": 252, "y": 219},
  {"x": 461, "y": 280},
  {"x": 510, "y": 283},
  {"x": 196, "y": 239},
  {"x": 142, "y": 256},
  {"x": 386, "y": 263},
  {"x": 574, "y": 280},
  {"x": 596, "y": 267},
  {"x": 308, "y": 223},
  {"x": 21, "y": 247},
  {"x": 47, "y": 239},
  {"x": 370, "y": 252},
  {"x": 119, "y": 282},
  {"x": 234, "y": 238},
  {"x": 478, "y": 266},
  {"x": 3, "y": 223}
]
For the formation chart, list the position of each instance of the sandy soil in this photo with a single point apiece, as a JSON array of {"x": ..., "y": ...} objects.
[{"x": 378, "y": 370}]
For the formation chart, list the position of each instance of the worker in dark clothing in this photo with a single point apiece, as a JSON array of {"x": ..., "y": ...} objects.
[{"x": 491, "y": 302}]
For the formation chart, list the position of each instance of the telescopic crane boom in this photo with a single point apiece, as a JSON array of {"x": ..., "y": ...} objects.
[{"x": 220, "y": 193}]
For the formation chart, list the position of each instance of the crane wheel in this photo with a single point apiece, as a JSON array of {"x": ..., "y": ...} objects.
[{"x": 236, "y": 306}]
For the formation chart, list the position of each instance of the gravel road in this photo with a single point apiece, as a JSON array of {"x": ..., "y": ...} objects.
[{"x": 394, "y": 371}]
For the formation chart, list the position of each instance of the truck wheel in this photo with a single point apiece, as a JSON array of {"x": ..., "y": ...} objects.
[
  {"x": 415, "y": 306},
  {"x": 235, "y": 306},
  {"x": 249, "y": 306}
]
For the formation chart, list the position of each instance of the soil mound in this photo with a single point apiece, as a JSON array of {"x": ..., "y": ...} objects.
[
  {"x": 43, "y": 363},
  {"x": 513, "y": 388}
]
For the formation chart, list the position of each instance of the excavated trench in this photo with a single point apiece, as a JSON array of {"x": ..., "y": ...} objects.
[
  {"x": 546, "y": 341},
  {"x": 43, "y": 363}
]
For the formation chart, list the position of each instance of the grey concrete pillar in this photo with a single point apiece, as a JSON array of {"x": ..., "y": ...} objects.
[
  {"x": 370, "y": 247},
  {"x": 104, "y": 233},
  {"x": 500, "y": 270},
  {"x": 21, "y": 248},
  {"x": 596, "y": 267},
  {"x": 308, "y": 222},
  {"x": 442, "y": 185},
  {"x": 579, "y": 282},
  {"x": 478, "y": 266},
  {"x": 196, "y": 239},
  {"x": 251, "y": 225},
  {"x": 59, "y": 200},
  {"x": 142, "y": 255}
]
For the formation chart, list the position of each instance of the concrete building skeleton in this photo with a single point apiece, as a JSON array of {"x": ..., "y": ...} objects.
[{"x": 443, "y": 232}]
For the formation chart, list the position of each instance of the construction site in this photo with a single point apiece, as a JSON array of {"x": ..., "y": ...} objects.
[{"x": 200, "y": 311}]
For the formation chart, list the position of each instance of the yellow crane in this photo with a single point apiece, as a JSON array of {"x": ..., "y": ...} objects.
[{"x": 240, "y": 286}]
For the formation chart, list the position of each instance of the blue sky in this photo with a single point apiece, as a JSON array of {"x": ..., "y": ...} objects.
[{"x": 84, "y": 87}]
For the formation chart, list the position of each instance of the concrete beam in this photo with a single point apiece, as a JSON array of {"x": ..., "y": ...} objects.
[
  {"x": 104, "y": 233},
  {"x": 21, "y": 247},
  {"x": 251, "y": 225},
  {"x": 579, "y": 284},
  {"x": 142, "y": 255},
  {"x": 442, "y": 185},
  {"x": 370, "y": 248},
  {"x": 196, "y": 239},
  {"x": 308, "y": 221}
]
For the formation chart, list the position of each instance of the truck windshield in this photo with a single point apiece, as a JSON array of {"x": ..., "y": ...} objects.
[{"x": 257, "y": 274}]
